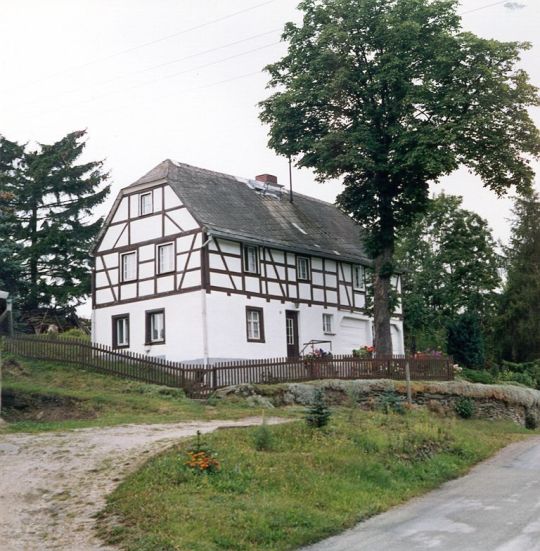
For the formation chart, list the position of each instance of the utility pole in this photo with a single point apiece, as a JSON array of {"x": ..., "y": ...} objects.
[{"x": 290, "y": 180}]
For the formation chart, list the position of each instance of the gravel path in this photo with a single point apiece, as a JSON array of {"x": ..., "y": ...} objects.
[{"x": 52, "y": 484}]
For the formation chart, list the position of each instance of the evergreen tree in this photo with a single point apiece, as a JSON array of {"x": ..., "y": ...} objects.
[
  {"x": 390, "y": 95},
  {"x": 10, "y": 262},
  {"x": 54, "y": 195},
  {"x": 450, "y": 266},
  {"x": 318, "y": 414},
  {"x": 519, "y": 314},
  {"x": 465, "y": 341}
]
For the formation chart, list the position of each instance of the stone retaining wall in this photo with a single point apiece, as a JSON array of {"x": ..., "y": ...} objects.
[{"x": 491, "y": 401}]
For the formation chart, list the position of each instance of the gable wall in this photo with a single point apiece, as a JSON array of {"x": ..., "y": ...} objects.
[{"x": 129, "y": 231}]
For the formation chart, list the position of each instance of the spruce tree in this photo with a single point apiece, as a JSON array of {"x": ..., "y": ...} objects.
[
  {"x": 519, "y": 314},
  {"x": 10, "y": 262},
  {"x": 54, "y": 195},
  {"x": 318, "y": 414}
]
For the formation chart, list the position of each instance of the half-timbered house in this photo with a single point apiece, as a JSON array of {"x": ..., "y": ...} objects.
[{"x": 196, "y": 265}]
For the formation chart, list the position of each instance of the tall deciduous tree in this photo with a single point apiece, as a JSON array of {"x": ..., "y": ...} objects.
[
  {"x": 451, "y": 266},
  {"x": 391, "y": 95},
  {"x": 53, "y": 197},
  {"x": 519, "y": 318}
]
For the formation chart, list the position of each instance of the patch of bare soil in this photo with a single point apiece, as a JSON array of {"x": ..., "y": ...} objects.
[
  {"x": 24, "y": 406},
  {"x": 52, "y": 485}
]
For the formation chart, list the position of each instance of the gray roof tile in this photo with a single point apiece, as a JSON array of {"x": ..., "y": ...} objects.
[{"x": 225, "y": 205}]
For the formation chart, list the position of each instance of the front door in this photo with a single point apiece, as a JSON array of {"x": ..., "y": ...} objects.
[{"x": 291, "y": 319}]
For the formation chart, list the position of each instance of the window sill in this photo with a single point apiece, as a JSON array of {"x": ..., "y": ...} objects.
[
  {"x": 256, "y": 340},
  {"x": 120, "y": 346},
  {"x": 154, "y": 343},
  {"x": 329, "y": 334}
]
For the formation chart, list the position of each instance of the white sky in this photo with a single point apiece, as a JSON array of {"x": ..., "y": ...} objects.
[{"x": 140, "y": 76}]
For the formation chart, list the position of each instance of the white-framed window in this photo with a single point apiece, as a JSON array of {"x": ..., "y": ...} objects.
[
  {"x": 328, "y": 323},
  {"x": 359, "y": 277},
  {"x": 120, "y": 331},
  {"x": 165, "y": 256},
  {"x": 146, "y": 203},
  {"x": 251, "y": 259},
  {"x": 128, "y": 266},
  {"x": 302, "y": 268},
  {"x": 155, "y": 326},
  {"x": 254, "y": 324}
]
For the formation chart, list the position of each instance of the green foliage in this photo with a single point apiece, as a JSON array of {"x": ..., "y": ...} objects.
[
  {"x": 74, "y": 333},
  {"x": 465, "y": 341},
  {"x": 318, "y": 413},
  {"x": 450, "y": 265},
  {"x": 263, "y": 439},
  {"x": 464, "y": 407},
  {"x": 317, "y": 483},
  {"x": 478, "y": 376},
  {"x": 531, "y": 420},
  {"x": 49, "y": 197},
  {"x": 390, "y": 95},
  {"x": 391, "y": 402},
  {"x": 518, "y": 324}
]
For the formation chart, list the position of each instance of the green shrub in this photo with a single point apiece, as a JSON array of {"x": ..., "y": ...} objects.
[
  {"x": 390, "y": 402},
  {"x": 263, "y": 439},
  {"x": 75, "y": 334},
  {"x": 517, "y": 377},
  {"x": 318, "y": 414},
  {"x": 477, "y": 376},
  {"x": 464, "y": 407},
  {"x": 531, "y": 421}
]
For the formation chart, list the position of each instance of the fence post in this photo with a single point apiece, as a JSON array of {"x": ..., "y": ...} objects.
[
  {"x": 214, "y": 377},
  {"x": 408, "y": 380}
]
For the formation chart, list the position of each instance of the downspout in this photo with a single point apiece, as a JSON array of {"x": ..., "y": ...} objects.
[{"x": 205, "y": 290}]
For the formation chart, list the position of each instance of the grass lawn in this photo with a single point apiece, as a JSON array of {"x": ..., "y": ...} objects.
[
  {"x": 311, "y": 483},
  {"x": 92, "y": 399}
]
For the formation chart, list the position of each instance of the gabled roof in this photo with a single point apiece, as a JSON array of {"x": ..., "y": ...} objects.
[{"x": 227, "y": 206}]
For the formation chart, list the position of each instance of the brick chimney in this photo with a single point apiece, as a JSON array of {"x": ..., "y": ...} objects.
[{"x": 266, "y": 178}]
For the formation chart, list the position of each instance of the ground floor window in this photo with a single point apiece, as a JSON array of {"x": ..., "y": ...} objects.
[
  {"x": 155, "y": 326},
  {"x": 254, "y": 324},
  {"x": 120, "y": 327}
]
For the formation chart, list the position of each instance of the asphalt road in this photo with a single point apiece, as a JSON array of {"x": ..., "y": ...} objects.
[{"x": 496, "y": 507}]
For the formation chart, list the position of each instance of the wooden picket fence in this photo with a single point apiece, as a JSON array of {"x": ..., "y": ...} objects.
[{"x": 199, "y": 381}]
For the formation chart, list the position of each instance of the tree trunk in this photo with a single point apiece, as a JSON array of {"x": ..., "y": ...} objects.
[{"x": 381, "y": 302}]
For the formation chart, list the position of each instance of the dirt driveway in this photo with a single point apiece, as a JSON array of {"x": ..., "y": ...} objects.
[{"x": 52, "y": 484}]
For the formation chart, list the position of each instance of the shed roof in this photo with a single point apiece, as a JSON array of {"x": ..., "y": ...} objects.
[{"x": 228, "y": 206}]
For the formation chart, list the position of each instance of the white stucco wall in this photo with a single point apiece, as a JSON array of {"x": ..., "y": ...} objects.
[
  {"x": 226, "y": 327},
  {"x": 183, "y": 326}
]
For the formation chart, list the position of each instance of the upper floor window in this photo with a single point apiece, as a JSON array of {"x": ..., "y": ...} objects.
[
  {"x": 251, "y": 259},
  {"x": 302, "y": 268},
  {"x": 328, "y": 323},
  {"x": 359, "y": 277},
  {"x": 155, "y": 326},
  {"x": 128, "y": 266},
  {"x": 254, "y": 324},
  {"x": 146, "y": 203},
  {"x": 165, "y": 255},
  {"x": 120, "y": 331}
]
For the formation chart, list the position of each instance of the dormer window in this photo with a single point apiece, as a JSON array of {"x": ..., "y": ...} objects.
[
  {"x": 146, "y": 204},
  {"x": 251, "y": 259},
  {"x": 359, "y": 276},
  {"x": 302, "y": 268}
]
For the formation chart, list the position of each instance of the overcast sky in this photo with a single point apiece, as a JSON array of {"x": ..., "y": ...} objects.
[{"x": 180, "y": 79}]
